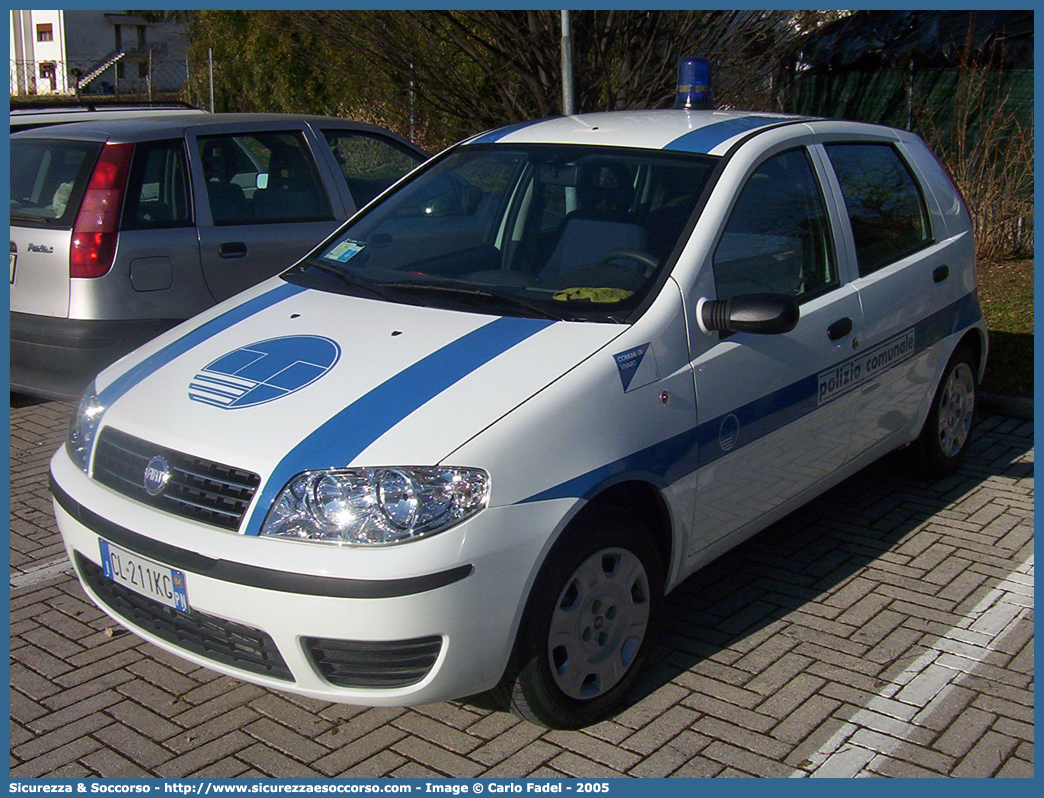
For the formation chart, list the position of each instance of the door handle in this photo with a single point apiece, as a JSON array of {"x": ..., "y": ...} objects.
[
  {"x": 839, "y": 329},
  {"x": 232, "y": 249},
  {"x": 941, "y": 273}
]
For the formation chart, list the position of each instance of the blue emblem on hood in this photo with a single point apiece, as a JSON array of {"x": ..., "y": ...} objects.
[{"x": 264, "y": 371}]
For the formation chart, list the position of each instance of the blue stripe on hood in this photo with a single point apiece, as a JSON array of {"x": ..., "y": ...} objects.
[
  {"x": 190, "y": 340},
  {"x": 342, "y": 438}
]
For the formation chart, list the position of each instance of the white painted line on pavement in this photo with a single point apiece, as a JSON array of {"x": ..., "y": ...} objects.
[
  {"x": 924, "y": 684},
  {"x": 41, "y": 573}
]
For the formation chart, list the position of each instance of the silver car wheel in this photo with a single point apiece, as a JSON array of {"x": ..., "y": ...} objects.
[
  {"x": 956, "y": 408},
  {"x": 599, "y": 622}
]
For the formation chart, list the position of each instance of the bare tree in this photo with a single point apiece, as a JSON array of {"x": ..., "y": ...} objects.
[
  {"x": 478, "y": 69},
  {"x": 453, "y": 73}
]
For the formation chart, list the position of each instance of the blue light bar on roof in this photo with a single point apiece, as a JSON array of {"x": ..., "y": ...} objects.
[{"x": 694, "y": 84}]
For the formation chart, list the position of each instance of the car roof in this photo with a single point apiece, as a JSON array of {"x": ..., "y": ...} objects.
[
  {"x": 59, "y": 110},
  {"x": 707, "y": 132},
  {"x": 26, "y": 118},
  {"x": 173, "y": 124}
]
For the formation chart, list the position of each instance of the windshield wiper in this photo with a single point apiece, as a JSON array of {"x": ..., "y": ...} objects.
[
  {"x": 475, "y": 292},
  {"x": 348, "y": 278}
]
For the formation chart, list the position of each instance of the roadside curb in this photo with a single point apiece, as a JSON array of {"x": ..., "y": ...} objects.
[{"x": 1014, "y": 406}]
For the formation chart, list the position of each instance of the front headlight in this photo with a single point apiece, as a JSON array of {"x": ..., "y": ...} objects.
[
  {"x": 84, "y": 427},
  {"x": 375, "y": 506}
]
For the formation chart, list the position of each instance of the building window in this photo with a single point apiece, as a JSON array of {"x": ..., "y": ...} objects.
[
  {"x": 48, "y": 73},
  {"x": 143, "y": 69},
  {"x": 44, "y": 33}
]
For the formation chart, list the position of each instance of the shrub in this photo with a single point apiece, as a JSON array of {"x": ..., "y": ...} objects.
[{"x": 989, "y": 152}]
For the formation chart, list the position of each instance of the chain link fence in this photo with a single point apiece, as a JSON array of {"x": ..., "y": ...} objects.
[{"x": 119, "y": 76}]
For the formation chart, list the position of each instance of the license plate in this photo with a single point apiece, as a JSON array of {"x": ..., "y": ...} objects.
[
  {"x": 13, "y": 256},
  {"x": 165, "y": 585}
]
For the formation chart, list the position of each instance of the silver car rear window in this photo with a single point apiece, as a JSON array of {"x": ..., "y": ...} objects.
[{"x": 48, "y": 179}]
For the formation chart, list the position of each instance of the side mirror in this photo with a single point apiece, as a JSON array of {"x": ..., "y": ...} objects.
[{"x": 761, "y": 314}]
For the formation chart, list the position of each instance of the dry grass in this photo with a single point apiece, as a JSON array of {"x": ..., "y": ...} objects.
[{"x": 1006, "y": 295}]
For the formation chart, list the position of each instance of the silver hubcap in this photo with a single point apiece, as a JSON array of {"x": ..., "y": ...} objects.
[
  {"x": 956, "y": 408},
  {"x": 599, "y": 623}
]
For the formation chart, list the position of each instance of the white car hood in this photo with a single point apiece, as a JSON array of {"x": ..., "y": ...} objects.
[{"x": 349, "y": 381}]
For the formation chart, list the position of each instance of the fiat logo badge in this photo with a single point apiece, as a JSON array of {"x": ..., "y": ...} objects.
[{"x": 157, "y": 474}]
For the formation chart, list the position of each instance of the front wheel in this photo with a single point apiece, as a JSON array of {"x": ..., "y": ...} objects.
[
  {"x": 947, "y": 430},
  {"x": 589, "y": 622}
]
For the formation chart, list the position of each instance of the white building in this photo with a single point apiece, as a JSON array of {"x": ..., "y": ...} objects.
[{"x": 95, "y": 52}]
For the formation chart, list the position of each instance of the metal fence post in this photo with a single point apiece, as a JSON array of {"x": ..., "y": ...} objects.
[
  {"x": 210, "y": 60},
  {"x": 568, "y": 103}
]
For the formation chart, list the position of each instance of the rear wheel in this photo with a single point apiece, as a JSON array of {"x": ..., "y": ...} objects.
[
  {"x": 588, "y": 624},
  {"x": 947, "y": 430}
]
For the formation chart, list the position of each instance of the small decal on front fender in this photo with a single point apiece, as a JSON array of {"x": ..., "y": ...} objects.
[{"x": 637, "y": 367}]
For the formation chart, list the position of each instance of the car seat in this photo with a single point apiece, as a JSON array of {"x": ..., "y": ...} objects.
[
  {"x": 602, "y": 222},
  {"x": 228, "y": 203},
  {"x": 291, "y": 190}
]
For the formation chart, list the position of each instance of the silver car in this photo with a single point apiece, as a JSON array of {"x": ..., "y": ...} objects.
[{"x": 122, "y": 228}]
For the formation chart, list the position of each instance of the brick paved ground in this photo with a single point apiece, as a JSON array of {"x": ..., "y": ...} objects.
[{"x": 886, "y": 630}]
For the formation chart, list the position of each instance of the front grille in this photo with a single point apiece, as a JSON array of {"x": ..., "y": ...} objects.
[
  {"x": 223, "y": 641},
  {"x": 199, "y": 489},
  {"x": 384, "y": 664}
]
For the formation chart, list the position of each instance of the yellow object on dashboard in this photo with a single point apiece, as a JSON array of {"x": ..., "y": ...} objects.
[{"x": 603, "y": 295}]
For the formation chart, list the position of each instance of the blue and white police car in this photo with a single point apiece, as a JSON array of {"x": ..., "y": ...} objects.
[{"x": 472, "y": 439}]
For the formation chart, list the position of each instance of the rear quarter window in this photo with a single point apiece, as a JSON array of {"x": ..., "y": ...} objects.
[
  {"x": 884, "y": 202},
  {"x": 158, "y": 193},
  {"x": 48, "y": 178}
]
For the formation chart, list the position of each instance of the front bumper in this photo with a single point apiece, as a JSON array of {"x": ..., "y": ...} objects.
[{"x": 459, "y": 593}]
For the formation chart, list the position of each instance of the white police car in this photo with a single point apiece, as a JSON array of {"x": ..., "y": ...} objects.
[{"x": 473, "y": 438}]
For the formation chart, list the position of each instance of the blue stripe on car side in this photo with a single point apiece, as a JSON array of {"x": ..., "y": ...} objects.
[
  {"x": 192, "y": 339},
  {"x": 704, "y": 139},
  {"x": 669, "y": 460},
  {"x": 342, "y": 438}
]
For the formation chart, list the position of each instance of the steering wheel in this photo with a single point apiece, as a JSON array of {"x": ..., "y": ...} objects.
[
  {"x": 598, "y": 275},
  {"x": 651, "y": 263}
]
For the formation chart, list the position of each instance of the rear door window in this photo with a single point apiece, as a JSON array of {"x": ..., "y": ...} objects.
[
  {"x": 158, "y": 194},
  {"x": 262, "y": 177},
  {"x": 884, "y": 202},
  {"x": 48, "y": 178},
  {"x": 369, "y": 162}
]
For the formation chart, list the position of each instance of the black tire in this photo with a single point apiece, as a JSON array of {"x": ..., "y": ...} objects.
[
  {"x": 603, "y": 631},
  {"x": 947, "y": 430}
]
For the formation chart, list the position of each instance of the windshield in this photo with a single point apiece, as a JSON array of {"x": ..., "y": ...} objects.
[
  {"x": 561, "y": 231},
  {"x": 48, "y": 177}
]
